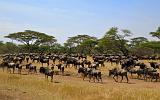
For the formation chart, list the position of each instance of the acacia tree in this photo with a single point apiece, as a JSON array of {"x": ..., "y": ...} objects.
[
  {"x": 30, "y": 38},
  {"x": 115, "y": 40},
  {"x": 156, "y": 34},
  {"x": 88, "y": 45},
  {"x": 135, "y": 42},
  {"x": 8, "y": 47},
  {"x": 75, "y": 42}
]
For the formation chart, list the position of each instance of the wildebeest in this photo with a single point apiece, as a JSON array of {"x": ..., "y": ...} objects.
[
  {"x": 35, "y": 58},
  {"x": 86, "y": 62},
  {"x": 95, "y": 74},
  {"x": 71, "y": 60},
  {"x": 44, "y": 60},
  {"x": 91, "y": 73},
  {"x": 144, "y": 73},
  {"x": 84, "y": 71},
  {"x": 3, "y": 65},
  {"x": 61, "y": 67},
  {"x": 118, "y": 72},
  {"x": 47, "y": 72},
  {"x": 11, "y": 66},
  {"x": 127, "y": 63},
  {"x": 31, "y": 68},
  {"x": 152, "y": 75},
  {"x": 27, "y": 59},
  {"x": 154, "y": 65}
]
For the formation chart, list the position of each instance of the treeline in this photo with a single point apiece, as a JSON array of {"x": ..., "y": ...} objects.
[{"x": 114, "y": 41}]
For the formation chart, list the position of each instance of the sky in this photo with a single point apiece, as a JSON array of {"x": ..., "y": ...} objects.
[{"x": 66, "y": 18}]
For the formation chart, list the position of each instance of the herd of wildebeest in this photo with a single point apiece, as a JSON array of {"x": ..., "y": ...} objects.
[{"x": 89, "y": 68}]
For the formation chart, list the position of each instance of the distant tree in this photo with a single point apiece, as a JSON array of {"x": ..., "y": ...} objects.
[
  {"x": 138, "y": 40},
  {"x": 154, "y": 45},
  {"x": 74, "y": 42},
  {"x": 30, "y": 38},
  {"x": 88, "y": 45},
  {"x": 115, "y": 40},
  {"x": 142, "y": 51},
  {"x": 9, "y": 47},
  {"x": 57, "y": 48},
  {"x": 156, "y": 34}
]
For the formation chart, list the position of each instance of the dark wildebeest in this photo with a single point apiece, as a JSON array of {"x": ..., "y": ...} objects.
[
  {"x": 86, "y": 62},
  {"x": 61, "y": 67},
  {"x": 53, "y": 59},
  {"x": 27, "y": 59},
  {"x": 91, "y": 73},
  {"x": 71, "y": 60},
  {"x": 140, "y": 71},
  {"x": 152, "y": 75},
  {"x": 31, "y": 68},
  {"x": 154, "y": 65},
  {"x": 84, "y": 71},
  {"x": 127, "y": 63},
  {"x": 94, "y": 65},
  {"x": 82, "y": 57},
  {"x": 35, "y": 58},
  {"x": 19, "y": 67},
  {"x": 4, "y": 64},
  {"x": 118, "y": 72},
  {"x": 97, "y": 58},
  {"x": 47, "y": 72},
  {"x": 44, "y": 60},
  {"x": 78, "y": 63},
  {"x": 95, "y": 74},
  {"x": 11, "y": 66}
]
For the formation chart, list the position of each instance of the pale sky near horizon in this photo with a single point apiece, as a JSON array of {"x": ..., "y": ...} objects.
[{"x": 66, "y": 18}]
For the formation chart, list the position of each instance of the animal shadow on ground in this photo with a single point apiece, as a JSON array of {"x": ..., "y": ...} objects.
[{"x": 56, "y": 82}]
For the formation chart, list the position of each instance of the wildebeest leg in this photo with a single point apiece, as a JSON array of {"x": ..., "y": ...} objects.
[
  {"x": 9, "y": 70},
  {"x": 83, "y": 76},
  {"x": 47, "y": 77},
  {"x": 114, "y": 78},
  {"x": 122, "y": 78},
  {"x": 35, "y": 69},
  {"x": 127, "y": 78},
  {"x": 90, "y": 78},
  {"x": 13, "y": 69},
  {"x": 100, "y": 79},
  {"x": 94, "y": 78},
  {"x": 20, "y": 70},
  {"x": 51, "y": 78},
  {"x": 97, "y": 78},
  {"x": 138, "y": 75},
  {"x": 148, "y": 77},
  {"x": 131, "y": 75},
  {"x": 152, "y": 77}
]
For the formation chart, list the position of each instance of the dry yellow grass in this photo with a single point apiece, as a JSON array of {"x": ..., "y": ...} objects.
[{"x": 36, "y": 87}]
